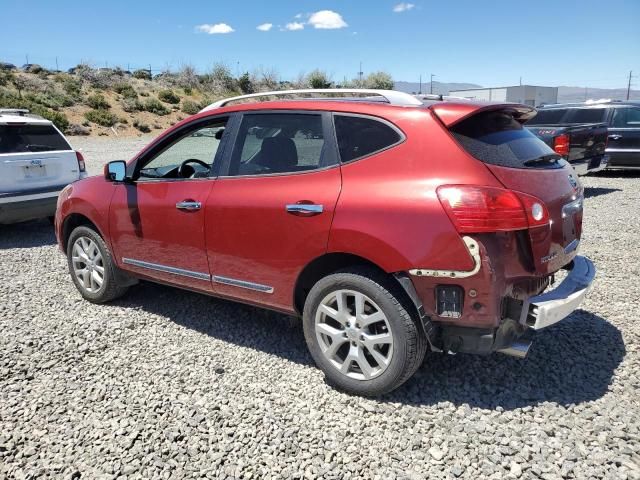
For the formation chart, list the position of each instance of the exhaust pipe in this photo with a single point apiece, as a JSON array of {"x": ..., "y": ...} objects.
[{"x": 518, "y": 349}]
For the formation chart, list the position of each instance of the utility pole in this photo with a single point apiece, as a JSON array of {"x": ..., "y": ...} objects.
[
  {"x": 150, "y": 74},
  {"x": 360, "y": 73},
  {"x": 420, "y": 90},
  {"x": 57, "y": 69},
  {"x": 431, "y": 86},
  {"x": 27, "y": 57},
  {"x": 629, "y": 84}
]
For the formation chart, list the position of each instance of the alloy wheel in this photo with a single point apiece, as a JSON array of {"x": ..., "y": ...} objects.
[
  {"x": 354, "y": 334},
  {"x": 88, "y": 265}
]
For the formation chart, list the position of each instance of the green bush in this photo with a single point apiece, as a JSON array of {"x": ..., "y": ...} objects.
[
  {"x": 9, "y": 100},
  {"x": 98, "y": 102},
  {"x": 72, "y": 86},
  {"x": 130, "y": 105},
  {"x": 6, "y": 77},
  {"x": 101, "y": 117},
  {"x": 245, "y": 84},
  {"x": 153, "y": 105},
  {"x": 142, "y": 74},
  {"x": 190, "y": 107},
  {"x": 143, "y": 127},
  {"x": 52, "y": 100},
  {"x": 168, "y": 96},
  {"x": 125, "y": 89}
]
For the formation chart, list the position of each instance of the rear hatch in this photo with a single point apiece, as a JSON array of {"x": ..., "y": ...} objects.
[
  {"x": 34, "y": 157},
  {"x": 523, "y": 163}
]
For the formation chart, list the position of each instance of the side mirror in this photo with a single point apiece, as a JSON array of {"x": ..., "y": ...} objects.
[{"x": 115, "y": 171}]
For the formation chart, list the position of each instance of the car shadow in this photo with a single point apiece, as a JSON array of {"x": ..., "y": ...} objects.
[
  {"x": 590, "y": 192},
  {"x": 617, "y": 173},
  {"x": 569, "y": 363},
  {"x": 36, "y": 233}
]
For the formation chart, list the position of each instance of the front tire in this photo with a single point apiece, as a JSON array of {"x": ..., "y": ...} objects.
[
  {"x": 360, "y": 333},
  {"x": 91, "y": 266}
]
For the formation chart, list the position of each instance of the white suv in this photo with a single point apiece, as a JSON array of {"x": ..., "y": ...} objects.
[{"x": 36, "y": 162}]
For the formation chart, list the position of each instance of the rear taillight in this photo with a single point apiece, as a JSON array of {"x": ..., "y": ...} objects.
[
  {"x": 81, "y": 166},
  {"x": 476, "y": 209},
  {"x": 561, "y": 145}
]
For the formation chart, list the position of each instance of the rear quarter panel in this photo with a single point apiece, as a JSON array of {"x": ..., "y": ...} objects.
[{"x": 388, "y": 211}]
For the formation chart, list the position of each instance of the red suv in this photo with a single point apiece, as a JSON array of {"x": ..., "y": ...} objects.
[{"x": 388, "y": 226}]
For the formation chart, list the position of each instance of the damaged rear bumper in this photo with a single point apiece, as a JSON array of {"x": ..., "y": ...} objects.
[{"x": 550, "y": 307}]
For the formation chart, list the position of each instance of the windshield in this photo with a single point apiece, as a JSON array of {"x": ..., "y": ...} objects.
[
  {"x": 495, "y": 137},
  {"x": 31, "y": 138}
]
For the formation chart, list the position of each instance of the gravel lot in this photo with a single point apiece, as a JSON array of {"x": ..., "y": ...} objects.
[{"x": 168, "y": 384}]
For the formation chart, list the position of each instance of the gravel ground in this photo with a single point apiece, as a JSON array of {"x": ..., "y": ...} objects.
[{"x": 168, "y": 384}]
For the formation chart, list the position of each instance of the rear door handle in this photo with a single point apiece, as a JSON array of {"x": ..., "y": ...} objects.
[
  {"x": 615, "y": 137},
  {"x": 304, "y": 209},
  {"x": 188, "y": 205}
]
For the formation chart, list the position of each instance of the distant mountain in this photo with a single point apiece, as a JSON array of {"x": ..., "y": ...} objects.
[
  {"x": 578, "y": 94},
  {"x": 440, "y": 88},
  {"x": 565, "y": 94}
]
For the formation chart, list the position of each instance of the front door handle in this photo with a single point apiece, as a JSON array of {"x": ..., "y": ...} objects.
[
  {"x": 615, "y": 137},
  {"x": 189, "y": 205},
  {"x": 304, "y": 209}
]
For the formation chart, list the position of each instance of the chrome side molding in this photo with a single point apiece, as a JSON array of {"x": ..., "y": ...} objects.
[
  {"x": 166, "y": 269},
  {"x": 243, "y": 284},
  {"x": 234, "y": 282}
]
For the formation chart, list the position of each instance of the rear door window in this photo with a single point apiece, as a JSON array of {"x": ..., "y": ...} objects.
[
  {"x": 626, "y": 117},
  {"x": 495, "y": 137},
  {"x": 585, "y": 115},
  {"x": 31, "y": 138},
  {"x": 552, "y": 116},
  {"x": 361, "y": 136},
  {"x": 272, "y": 143}
]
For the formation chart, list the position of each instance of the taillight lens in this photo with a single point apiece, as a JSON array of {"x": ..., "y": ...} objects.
[
  {"x": 477, "y": 209},
  {"x": 81, "y": 165},
  {"x": 561, "y": 145}
]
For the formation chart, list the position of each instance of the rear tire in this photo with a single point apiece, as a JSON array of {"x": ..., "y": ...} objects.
[
  {"x": 91, "y": 266},
  {"x": 360, "y": 333}
]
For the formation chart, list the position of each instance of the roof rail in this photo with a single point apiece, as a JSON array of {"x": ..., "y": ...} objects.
[
  {"x": 15, "y": 111},
  {"x": 392, "y": 97}
]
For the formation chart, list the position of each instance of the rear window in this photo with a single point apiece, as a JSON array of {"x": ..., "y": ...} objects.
[
  {"x": 495, "y": 137},
  {"x": 362, "y": 136},
  {"x": 548, "y": 117},
  {"x": 31, "y": 138},
  {"x": 585, "y": 115}
]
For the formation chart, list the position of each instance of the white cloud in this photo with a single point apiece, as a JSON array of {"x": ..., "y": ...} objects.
[
  {"x": 403, "y": 7},
  {"x": 299, "y": 15},
  {"x": 265, "y": 27},
  {"x": 294, "y": 26},
  {"x": 214, "y": 29},
  {"x": 327, "y": 19}
]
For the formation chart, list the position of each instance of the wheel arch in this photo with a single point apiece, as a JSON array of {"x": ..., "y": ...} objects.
[
  {"x": 73, "y": 221},
  {"x": 332, "y": 262}
]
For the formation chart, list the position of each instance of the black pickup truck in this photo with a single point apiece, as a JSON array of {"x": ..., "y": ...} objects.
[{"x": 573, "y": 134}]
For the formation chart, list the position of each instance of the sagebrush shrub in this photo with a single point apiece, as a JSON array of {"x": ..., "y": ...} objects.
[{"x": 101, "y": 117}]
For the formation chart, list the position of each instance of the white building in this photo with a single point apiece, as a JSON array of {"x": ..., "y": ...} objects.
[{"x": 528, "y": 94}]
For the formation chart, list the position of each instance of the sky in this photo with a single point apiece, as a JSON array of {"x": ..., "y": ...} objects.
[{"x": 491, "y": 43}]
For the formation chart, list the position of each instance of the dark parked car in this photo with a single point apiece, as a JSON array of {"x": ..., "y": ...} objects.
[
  {"x": 392, "y": 227},
  {"x": 621, "y": 118},
  {"x": 583, "y": 146}
]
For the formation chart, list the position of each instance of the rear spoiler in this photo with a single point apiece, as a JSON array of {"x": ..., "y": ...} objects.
[{"x": 453, "y": 113}]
